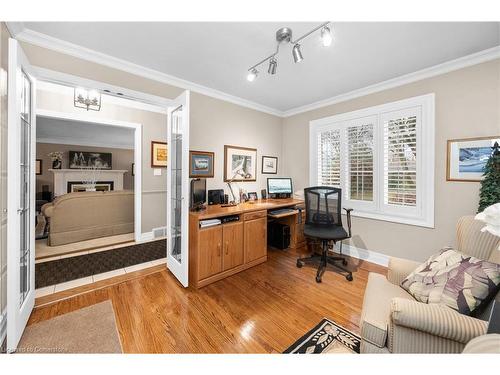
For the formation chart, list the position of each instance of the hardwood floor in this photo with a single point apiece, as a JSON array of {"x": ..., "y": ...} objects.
[{"x": 261, "y": 310}]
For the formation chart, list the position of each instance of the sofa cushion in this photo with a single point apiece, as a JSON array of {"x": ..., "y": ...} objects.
[
  {"x": 376, "y": 308},
  {"x": 454, "y": 279}
]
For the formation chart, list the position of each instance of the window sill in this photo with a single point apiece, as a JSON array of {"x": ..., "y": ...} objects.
[{"x": 426, "y": 223}]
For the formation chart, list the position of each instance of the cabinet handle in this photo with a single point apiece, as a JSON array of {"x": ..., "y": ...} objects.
[
  {"x": 219, "y": 248},
  {"x": 227, "y": 248}
]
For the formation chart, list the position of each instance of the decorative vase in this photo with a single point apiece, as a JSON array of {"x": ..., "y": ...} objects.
[{"x": 56, "y": 164}]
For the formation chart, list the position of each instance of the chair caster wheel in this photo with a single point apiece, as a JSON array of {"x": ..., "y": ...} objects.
[
  {"x": 318, "y": 279},
  {"x": 349, "y": 277},
  {"x": 344, "y": 262},
  {"x": 299, "y": 264}
]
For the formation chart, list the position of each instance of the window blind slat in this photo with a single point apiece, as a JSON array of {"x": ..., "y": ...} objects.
[{"x": 329, "y": 158}]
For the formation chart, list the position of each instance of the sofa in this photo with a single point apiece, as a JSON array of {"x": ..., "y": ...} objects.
[
  {"x": 392, "y": 321},
  {"x": 81, "y": 216}
]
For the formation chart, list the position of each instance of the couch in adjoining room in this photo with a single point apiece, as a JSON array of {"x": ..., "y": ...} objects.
[{"x": 81, "y": 216}]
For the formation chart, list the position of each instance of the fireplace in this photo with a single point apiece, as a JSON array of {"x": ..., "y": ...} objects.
[{"x": 78, "y": 186}]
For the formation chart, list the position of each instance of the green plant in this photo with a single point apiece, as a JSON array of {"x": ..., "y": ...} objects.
[{"x": 490, "y": 185}]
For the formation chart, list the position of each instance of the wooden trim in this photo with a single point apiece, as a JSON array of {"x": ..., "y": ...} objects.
[
  {"x": 448, "y": 149},
  {"x": 254, "y": 215},
  {"x": 226, "y": 147},
  {"x": 191, "y": 153},
  {"x": 152, "y": 154},
  {"x": 69, "y": 293},
  {"x": 262, "y": 166}
]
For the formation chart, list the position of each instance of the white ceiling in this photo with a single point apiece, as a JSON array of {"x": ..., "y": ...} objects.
[
  {"x": 217, "y": 55},
  {"x": 51, "y": 130}
]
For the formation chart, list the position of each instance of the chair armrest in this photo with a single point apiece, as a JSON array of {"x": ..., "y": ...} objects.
[
  {"x": 348, "y": 212},
  {"x": 399, "y": 269},
  {"x": 436, "y": 320},
  {"x": 48, "y": 209}
]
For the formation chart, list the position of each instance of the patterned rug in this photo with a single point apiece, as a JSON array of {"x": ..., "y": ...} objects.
[
  {"x": 326, "y": 337},
  {"x": 67, "y": 269}
]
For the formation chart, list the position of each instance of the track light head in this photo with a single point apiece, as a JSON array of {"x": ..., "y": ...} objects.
[
  {"x": 297, "y": 55},
  {"x": 326, "y": 36},
  {"x": 252, "y": 74},
  {"x": 273, "y": 64}
]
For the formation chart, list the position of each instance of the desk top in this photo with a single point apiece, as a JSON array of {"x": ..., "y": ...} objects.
[{"x": 261, "y": 204}]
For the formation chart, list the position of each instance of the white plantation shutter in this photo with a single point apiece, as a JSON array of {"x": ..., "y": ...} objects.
[
  {"x": 359, "y": 180},
  {"x": 400, "y": 161},
  {"x": 329, "y": 158}
]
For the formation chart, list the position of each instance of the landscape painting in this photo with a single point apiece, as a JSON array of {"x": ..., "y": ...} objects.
[
  {"x": 201, "y": 164},
  {"x": 240, "y": 163},
  {"x": 473, "y": 159},
  {"x": 88, "y": 160}
]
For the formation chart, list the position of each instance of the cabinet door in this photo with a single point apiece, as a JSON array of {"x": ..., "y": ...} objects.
[
  {"x": 210, "y": 257},
  {"x": 255, "y": 239},
  {"x": 232, "y": 235}
]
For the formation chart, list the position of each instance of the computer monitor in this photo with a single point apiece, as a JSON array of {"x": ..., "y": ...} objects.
[
  {"x": 279, "y": 187},
  {"x": 198, "y": 193}
]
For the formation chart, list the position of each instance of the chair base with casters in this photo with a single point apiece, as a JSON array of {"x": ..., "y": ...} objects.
[{"x": 324, "y": 260}]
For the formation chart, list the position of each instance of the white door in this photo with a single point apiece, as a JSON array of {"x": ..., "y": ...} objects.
[
  {"x": 21, "y": 195},
  {"x": 178, "y": 188}
]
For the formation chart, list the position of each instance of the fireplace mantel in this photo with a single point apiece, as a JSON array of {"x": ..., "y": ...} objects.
[{"x": 63, "y": 176}]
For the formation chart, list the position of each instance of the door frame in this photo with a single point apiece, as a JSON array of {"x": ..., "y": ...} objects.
[{"x": 137, "y": 154}]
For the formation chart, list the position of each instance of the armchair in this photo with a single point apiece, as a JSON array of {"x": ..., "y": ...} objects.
[{"x": 392, "y": 321}]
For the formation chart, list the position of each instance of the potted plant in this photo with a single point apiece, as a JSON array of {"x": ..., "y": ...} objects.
[{"x": 56, "y": 157}]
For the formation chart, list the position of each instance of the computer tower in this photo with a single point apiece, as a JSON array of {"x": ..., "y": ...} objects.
[{"x": 278, "y": 235}]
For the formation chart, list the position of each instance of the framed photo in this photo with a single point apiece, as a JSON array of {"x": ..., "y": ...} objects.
[
  {"x": 159, "y": 154},
  {"x": 83, "y": 160},
  {"x": 201, "y": 164},
  {"x": 133, "y": 169},
  {"x": 269, "y": 165},
  {"x": 467, "y": 158},
  {"x": 38, "y": 167},
  {"x": 240, "y": 163}
]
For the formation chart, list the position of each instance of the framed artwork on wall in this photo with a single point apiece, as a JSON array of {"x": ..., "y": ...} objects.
[
  {"x": 269, "y": 165},
  {"x": 159, "y": 154},
  {"x": 38, "y": 167},
  {"x": 467, "y": 158},
  {"x": 133, "y": 169},
  {"x": 240, "y": 163},
  {"x": 87, "y": 160},
  {"x": 201, "y": 164}
]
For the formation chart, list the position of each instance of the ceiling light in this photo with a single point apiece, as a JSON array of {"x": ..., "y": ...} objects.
[
  {"x": 284, "y": 35},
  {"x": 326, "y": 36},
  {"x": 252, "y": 74},
  {"x": 88, "y": 99},
  {"x": 297, "y": 55},
  {"x": 273, "y": 64}
]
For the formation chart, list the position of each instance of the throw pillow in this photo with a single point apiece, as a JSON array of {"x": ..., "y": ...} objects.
[{"x": 454, "y": 279}]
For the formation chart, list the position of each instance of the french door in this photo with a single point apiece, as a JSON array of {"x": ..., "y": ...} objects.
[
  {"x": 21, "y": 194},
  {"x": 178, "y": 188}
]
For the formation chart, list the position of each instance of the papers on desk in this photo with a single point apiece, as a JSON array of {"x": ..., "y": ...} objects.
[{"x": 209, "y": 223}]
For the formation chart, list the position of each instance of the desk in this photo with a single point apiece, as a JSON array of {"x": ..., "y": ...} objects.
[{"x": 220, "y": 251}]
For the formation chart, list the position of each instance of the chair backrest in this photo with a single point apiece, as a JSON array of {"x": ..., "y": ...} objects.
[
  {"x": 323, "y": 205},
  {"x": 471, "y": 241}
]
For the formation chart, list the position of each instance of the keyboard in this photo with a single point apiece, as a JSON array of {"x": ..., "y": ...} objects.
[{"x": 281, "y": 211}]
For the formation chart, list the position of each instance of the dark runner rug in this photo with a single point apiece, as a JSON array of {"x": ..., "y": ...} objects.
[
  {"x": 326, "y": 337},
  {"x": 67, "y": 269}
]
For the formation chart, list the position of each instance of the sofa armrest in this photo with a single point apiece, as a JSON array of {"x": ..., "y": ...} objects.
[
  {"x": 48, "y": 209},
  {"x": 399, "y": 269},
  {"x": 436, "y": 320}
]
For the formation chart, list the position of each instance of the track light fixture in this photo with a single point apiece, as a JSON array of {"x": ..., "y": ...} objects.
[{"x": 285, "y": 35}]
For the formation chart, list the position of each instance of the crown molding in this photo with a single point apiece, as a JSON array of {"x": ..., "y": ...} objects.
[
  {"x": 58, "y": 45},
  {"x": 18, "y": 30},
  {"x": 446, "y": 67}
]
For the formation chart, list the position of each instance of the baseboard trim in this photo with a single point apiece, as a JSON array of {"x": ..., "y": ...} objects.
[{"x": 365, "y": 254}]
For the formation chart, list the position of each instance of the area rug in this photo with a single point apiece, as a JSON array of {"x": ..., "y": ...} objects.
[
  {"x": 67, "y": 269},
  {"x": 326, "y": 337},
  {"x": 88, "y": 330}
]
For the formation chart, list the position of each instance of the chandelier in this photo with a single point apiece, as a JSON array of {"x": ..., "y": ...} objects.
[
  {"x": 284, "y": 35},
  {"x": 88, "y": 99}
]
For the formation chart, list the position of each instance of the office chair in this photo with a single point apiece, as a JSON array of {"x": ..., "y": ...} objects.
[{"x": 324, "y": 223}]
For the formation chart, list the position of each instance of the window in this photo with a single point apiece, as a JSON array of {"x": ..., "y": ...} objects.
[{"x": 382, "y": 157}]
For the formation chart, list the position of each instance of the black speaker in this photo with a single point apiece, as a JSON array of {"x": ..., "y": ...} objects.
[{"x": 215, "y": 196}]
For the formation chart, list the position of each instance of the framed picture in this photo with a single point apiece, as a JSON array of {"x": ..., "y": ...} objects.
[
  {"x": 83, "y": 160},
  {"x": 38, "y": 167},
  {"x": 159, "y": 154},
  {"x": 133, "y": 169},
  {"x": 201, "y": 164},
  {"x": 467, "y": 158},
  {"x": 240, "y": 163},
  {"x": 269, "y": 165}
]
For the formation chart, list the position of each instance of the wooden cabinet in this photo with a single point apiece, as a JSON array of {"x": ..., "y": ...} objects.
[
  {"x": 255, "y": 239},
  {"x": 210, "y": 257},
  {"x": 232, "y": 237}
]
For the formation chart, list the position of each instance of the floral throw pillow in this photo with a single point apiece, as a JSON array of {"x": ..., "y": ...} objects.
[{"x": 454, "y": 279}]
